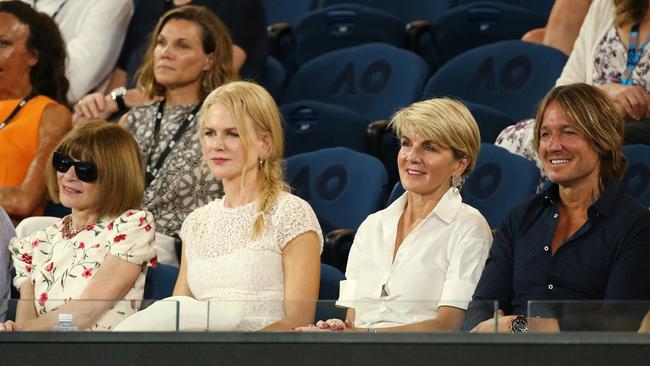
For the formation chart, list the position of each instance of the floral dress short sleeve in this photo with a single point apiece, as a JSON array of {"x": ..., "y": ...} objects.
[{"x": 60, "y": 268}]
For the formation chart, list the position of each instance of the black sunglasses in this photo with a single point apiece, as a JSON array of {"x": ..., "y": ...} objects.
[{"x": 85, "y": 171}]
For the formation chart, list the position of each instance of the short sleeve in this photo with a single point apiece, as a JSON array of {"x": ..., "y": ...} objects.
[
  {"x": 187, "y": 228},
  {"x": 132, "y": 237},
  {"x": 292, "y": 218},
  {"x": 468, "y": 255},
  {"x": 22, "y": 255}
]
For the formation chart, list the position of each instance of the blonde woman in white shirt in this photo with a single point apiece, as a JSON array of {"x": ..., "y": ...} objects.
[{"x": 414, "y": 265}]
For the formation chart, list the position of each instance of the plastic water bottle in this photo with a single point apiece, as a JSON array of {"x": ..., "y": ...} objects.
[{"x": 65, "y": 324}]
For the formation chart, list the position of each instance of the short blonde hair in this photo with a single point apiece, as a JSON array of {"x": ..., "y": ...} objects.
[
  {"x": 241, "y": 99},
  {"x": 120, "y": 173},
  {"x": 592, "y": 113},
  {"x": 446, "y": 122},
  {"x": 215, "y": 39}
]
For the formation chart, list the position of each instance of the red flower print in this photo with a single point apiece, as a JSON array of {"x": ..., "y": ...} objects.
[
  {"x": 142, "y": 220},
  {"x": 28, "y": 268},
  {"x": 35, "y": 243},
  {"x": 42, "y": 299},
  {"x": 110, "y": 226},
  {"x": 96, "y": 245},
  {"x": 153, "y": 262},
  {"x": 130, "y": 213},
  {"x": 119, "y": 238},
  {"x": 49, "y": 267},
  {"x": 26, "y": 258},
  {"x": 147, "y": 228},
  {"x": 87, "y": 273},
  {"x": 91, "y": 226},
  {"x": 82, "y": 245}
]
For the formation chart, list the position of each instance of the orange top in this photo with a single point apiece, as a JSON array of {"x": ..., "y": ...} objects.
[{"x": 19, "y": 138}]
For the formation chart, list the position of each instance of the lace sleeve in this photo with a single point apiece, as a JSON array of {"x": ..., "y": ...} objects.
[
  {"x": 187, "y": 228},
  {"x": 293, "y": 217}
]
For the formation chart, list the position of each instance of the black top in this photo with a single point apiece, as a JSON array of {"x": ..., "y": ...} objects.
[
  {"x": 608, "y": 258},
  {"x": 245, "y": 19}
]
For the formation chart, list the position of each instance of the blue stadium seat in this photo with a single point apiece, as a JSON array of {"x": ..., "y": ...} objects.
[
  {"x": 287, "y": 11},
  {"x": 509, "y": 76},
  {"x": 375, "y": 79},
  {"x": 397, "y": 191},
  {"x": 637, "y": 177},
  {"x": 470, "y": 26},
  {"x": 539, "y": 7},
  {"x": 490, "y": 121},
  {"x": 160, "y": 281},
  {"x": 311, "y": 125},
  {"x": 407, "y": 10},
  {"x": 500, "y": 182},
  {"x": 274, "y": 77},
  {"x": 341, "y": 26},
  {"x": 330, "y": 278},
  {"x": 343, "y": 186}
]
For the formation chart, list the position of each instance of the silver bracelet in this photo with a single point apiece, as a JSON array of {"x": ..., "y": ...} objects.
[{"x": 371, "y": 330}]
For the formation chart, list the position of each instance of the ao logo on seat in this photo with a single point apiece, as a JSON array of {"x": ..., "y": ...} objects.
[
  {"x": 373, "y": 79},
  {"x": 484, "y": 181},
  {"x": 513, "y": 75},
  {"x": 329, "y": 184}
]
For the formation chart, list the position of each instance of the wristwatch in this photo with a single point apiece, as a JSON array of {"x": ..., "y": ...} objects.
[
  {"x": 519, "y": 324},
  {"x": 117, "y": 95}
]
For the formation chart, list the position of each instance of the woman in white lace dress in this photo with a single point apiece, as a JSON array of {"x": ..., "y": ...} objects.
[{"x": 259, "y": 245}]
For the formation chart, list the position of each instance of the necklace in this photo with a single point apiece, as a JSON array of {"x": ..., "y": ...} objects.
[{"x": 68, "y": 232}]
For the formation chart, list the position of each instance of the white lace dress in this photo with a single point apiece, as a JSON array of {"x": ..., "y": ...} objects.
[{"x": 225, "y": 265}]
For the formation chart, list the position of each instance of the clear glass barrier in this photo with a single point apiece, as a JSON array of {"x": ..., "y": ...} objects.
[
  {"x": 45, "y": 314},
  {"x": 256, "y": 315},
  {"x": 189, "y": 315},
  {"x": 585, "y": 316}
]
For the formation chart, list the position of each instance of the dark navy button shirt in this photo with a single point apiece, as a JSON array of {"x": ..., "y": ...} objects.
[{"x": 608, "y": 258}]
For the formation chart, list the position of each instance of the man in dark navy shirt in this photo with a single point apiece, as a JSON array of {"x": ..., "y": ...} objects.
[{"x": 581, "y": 239}]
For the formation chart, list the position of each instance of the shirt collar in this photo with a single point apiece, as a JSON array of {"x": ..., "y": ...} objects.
[
  {"x": 446, "y": 208},
  {"x": 603, "y": 205}
]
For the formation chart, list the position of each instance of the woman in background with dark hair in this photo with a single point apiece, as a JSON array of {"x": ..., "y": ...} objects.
[{"x": 33, "y": 112}]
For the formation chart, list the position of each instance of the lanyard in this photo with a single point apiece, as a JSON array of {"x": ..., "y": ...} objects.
[
  {"x": 633, "y": 55},
  {"x": 16, "y": 110},
  {"x": 151, "y": 171}
]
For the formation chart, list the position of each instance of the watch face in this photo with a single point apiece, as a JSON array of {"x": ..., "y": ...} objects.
[{"x": 519, "y": 324}]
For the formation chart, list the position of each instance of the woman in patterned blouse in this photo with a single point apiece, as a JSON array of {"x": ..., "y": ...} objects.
[
  {"x": 190, "y": 54},
  {"x": 98, "y": 252}
]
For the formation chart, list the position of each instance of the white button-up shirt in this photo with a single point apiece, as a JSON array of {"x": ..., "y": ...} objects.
[{"x": 438, "y": 264}]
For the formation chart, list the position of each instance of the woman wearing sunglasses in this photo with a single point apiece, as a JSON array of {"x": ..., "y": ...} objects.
[
  {"x": 33, "y": 113},
  {"x": 190, "y": 54},
  {"x": 101, "y": 250}
]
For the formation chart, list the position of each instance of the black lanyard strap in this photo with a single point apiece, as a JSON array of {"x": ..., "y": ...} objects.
[
  {"x": 151, "y": 170},
  {"x": 16, "y": 110}
]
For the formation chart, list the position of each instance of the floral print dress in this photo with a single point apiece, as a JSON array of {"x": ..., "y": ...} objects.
[{"x": 60, "y": 268}]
